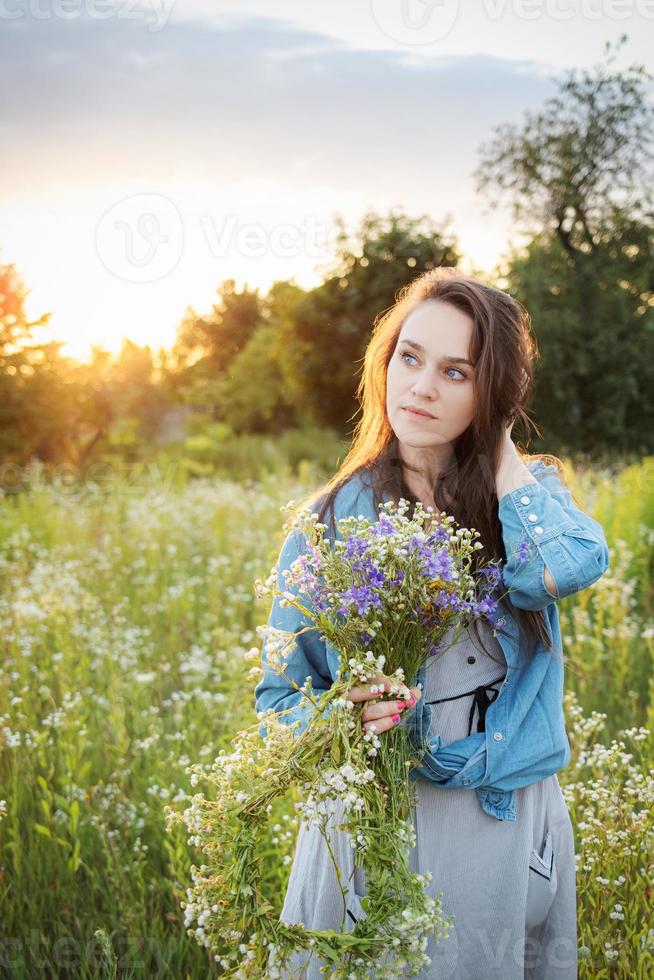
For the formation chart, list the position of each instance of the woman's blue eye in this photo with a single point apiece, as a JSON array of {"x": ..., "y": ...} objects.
[{"x": 463, "y": 377}]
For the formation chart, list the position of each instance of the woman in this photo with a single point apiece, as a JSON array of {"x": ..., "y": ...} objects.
[{"x": 447, "y": 371}]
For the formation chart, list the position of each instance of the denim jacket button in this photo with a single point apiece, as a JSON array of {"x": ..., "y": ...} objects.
[
  {"x": 533, "y": 517},
  {"x": 538, "y": 530},
  {"x": 465, "y": 782},
  {"x": 498, "y": 736},
  {"x": 525, "y": 500}
]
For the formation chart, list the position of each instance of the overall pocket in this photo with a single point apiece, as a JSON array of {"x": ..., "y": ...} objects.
[{"x": 542, "y": 882}]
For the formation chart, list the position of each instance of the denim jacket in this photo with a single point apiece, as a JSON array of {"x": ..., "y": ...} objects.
[{"x": 525, "y": 738}]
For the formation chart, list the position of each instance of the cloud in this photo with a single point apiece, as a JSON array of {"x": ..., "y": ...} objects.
[{"x": 96, "y": 99}]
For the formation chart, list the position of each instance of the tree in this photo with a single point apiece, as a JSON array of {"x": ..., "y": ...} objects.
[
  {"x": 206, "y": 345},
  {"x": 582, "y": 166},
  {"x": 579, "y": 175},
  {"x": 255, "y": 396},
  {"x": 34, "y": 402},
  {"x": 325, "y": 339},
  {"x": 593, "y": 386},
  {"x": 135, "y": 391}
]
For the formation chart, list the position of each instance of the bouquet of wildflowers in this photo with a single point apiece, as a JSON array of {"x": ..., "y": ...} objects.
[{"x": 384, "y": 594}]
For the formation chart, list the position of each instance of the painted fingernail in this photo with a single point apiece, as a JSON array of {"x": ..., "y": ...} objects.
[
  {"x": 401, "y": 705},
  {"x": 411, "y": 701},
  {"x": 396, "y": 718}
]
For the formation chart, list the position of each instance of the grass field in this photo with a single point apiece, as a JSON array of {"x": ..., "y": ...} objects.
[{"x": 125, "y": 618}]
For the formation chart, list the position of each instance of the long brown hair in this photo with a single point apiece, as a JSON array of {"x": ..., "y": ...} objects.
[{"x": 502, "y": 350}]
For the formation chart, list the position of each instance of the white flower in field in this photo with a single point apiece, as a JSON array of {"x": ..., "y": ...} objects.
[
  {"x": 3, "y": 808},
  {"x": 278, "y": 643},
  {"x": 144, "y": 676},
  {"x": 12, "y": 739}
]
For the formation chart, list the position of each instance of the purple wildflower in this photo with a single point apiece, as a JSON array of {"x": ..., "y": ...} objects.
[
  {"x": 361, "y": 597},
  {"x": 436, "y": 564},
  {"x": 355, "y": 549},
  {"x": 485, "y": 607},
  {"x": 383, "y": 527},
  {"x": 439, "y": 535},
  {"x": 449, "y": 600},
  {"x": 523, "y": 549},
  {"x": 493, "y": 575},
  {"x": 373, "y": 575}
]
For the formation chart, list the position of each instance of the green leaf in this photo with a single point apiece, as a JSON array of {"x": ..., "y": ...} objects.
[{"x": 74, "y": 860}]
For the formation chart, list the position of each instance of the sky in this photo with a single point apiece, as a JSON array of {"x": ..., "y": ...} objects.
[{"x": 150, "y": 151}]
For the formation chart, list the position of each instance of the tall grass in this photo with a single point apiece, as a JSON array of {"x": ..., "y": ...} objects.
[{"x": 126, "y": 612}]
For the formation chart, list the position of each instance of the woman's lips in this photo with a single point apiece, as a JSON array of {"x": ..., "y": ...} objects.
[{"x": 418, "y": 416}]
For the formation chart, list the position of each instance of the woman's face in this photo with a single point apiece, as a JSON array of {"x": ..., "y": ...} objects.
[{"x": 430, "y": 370}]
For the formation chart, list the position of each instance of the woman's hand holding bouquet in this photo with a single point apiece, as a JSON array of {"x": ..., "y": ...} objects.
[{"x": 381, "y": 713}]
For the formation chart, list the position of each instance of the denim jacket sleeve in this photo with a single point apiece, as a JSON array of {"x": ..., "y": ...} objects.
[
  {"x": 573, "y": 547},
  {"x": 307, "y": 659},
  {"x": 561, "y": 538}
]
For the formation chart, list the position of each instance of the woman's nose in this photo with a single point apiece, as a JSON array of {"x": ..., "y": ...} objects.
[{"x": 425, "y": 389}]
